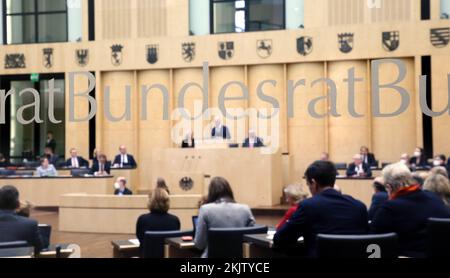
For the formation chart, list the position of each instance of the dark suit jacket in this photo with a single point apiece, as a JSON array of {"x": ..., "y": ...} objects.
[
  {"x": 371, "y": 161},
  {"x": 185, "y": 145},
  {"x": 51, "y": 144},
  {"x": 125, "y": 192},
  {"x": 81, "y": 162},
  {"x": 351, "y": 170},
  {"x": 407, "y": 216},
  {"x": 131, "y": 162},
  {"x": 225, "y": 132},
  {"x": 378, "y": 199},
  {"x": 259, "y": 143},
  {"x": 53, "y": 160},
  {"x": 155, "y": 222},
  {"x": 421, "y": 163},
  {"x": 329, "y": 212},
  {"x": 4, "y": 164},
  {"x": 18, "y": 228},
  {"x": 95, "y": 167}
]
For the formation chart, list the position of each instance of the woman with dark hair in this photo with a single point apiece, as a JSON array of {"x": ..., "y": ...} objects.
[
  {"x": 418, "y": 160},
  {"x": 220, "y": 211}
]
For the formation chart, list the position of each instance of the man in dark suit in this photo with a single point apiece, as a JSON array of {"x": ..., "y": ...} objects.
[
  {"x": 407, "y": 212},
  {"x": 219, "y": 130},
  {"x": 379, "y": 197},
  {"x": 52, "y": 157},
  {"x": 367, "y": 157},
  {"x": 14, "y": 227},
  {"x": 102, "y": 167},
  {"x": 358, "y": 169},
  {"x": 123, "y": 159},
  {"x": 121, "y": 187},
  {"x": 328, "y": 211},
  {"x": 253, "y": 141},
  {"x": 76, "y": 161}
]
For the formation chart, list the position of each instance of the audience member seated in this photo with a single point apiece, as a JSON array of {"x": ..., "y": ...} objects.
[
  {"x": 14, "y": 227},
  {"x": 76, "y": 161},
  {"x": 158, "y": 219},
  {"x": 379, "y": 197},
  {"x": 418, "y": 160},
  {"x": 407, "y": 211},
  {"x": 52, "y": 157},
  {"x": 405, "y": 159},
  {"x": 220, "y": 211},
  {"x": 440, "y": 185},
  {"x": 325, "y": 156},
  {"x": 439, "y": 161},
  {"x": 124, "y": 160},
  {"x": 220, "y": 131},
  {"x": 161, "y": 183},
  {"x": 295, "y": 194},
  {"x": 358, "y": 169},
  {"x": 367, "y": 157},
  {"x": 46, "y": 169},
  {"x": 189, "y": 141},
  {"x": 121, "y": 187},
  {"x": 439, "y": 170},
  {"x": 3, "y": 161},
  {"x": 253, "y": 141},
  {"x": 102, "y": 167},
  {"x": 328, "y": 212}
]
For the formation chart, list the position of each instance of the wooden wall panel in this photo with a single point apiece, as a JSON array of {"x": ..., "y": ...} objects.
[
  {"x": 395, "y": 135},
  {"x": 116, "y": 17},
  {"x": 152, "y": 18},
  {"x": 306, "y": 134},
  {"x": 441, "y": 124},
  {"x": 124, "y": 132},
  {"x": 155, "y": 131},
  {"x": 348, "y": 133},
  {"x": 257, "y": 75}
]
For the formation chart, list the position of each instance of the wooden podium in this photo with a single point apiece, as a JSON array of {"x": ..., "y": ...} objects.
[{"x": 256, "y": 178}]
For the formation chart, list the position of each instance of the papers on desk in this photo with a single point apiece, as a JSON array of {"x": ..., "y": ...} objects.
[{"x": 135, "y": 241}]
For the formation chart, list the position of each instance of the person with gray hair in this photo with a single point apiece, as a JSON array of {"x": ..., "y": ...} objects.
[
  {"x": 295, "y": 194},
  {"x": 440, "y": 185},
  {"x": 407, "y": 211},
  {"x": 358, "y": 169}
]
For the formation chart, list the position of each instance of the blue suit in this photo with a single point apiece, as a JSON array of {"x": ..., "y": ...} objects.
[
  {"x": 17, "y": 228},
  {"x": 329, "y": 212},
  {"x": 408, "y": 215}
]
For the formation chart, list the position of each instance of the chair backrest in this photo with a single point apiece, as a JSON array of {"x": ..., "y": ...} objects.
[
  {"x": 154, "y": 242},
  {"x": 46, "y": 232},
  {"x": 79, "y": 172},
  {"x": 26, "y": 173},
  {"x": 438, "y": 238},
  {"x": 227, "y": 242},
  {"x": 357, "y": 246},
  {"x": 7, "y": 173},
  {"x": 13, "y": 244},
  {"x": 341, "y": 166}
]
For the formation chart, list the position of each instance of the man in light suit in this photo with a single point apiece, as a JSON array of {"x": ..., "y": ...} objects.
[
  {"x": 220, "y": 130},
  {"x": 76, "y": 161},
  {"x": 124, "y": 160},
  {"x": 14, "y": 227}
]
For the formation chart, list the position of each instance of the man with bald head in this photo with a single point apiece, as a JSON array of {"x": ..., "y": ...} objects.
[
  {"x": 253, "y": 141},
  {"x": 124, "y": 160},
  {"x": 358, "y": 169}
]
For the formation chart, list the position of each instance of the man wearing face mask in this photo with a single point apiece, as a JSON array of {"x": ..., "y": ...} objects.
[
  {"x": 439, "y": 161},
  {"x": 328, "y": 211}
]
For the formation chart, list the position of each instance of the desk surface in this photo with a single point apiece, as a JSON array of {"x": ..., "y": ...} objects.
[
  {"x": 180, "y": 244},
  {"x": 123, "y": 245},
  {"x": 259, "y": 239}
]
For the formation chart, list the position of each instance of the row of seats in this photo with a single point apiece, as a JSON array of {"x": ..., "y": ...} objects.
[{"x": 227, "y": 243}]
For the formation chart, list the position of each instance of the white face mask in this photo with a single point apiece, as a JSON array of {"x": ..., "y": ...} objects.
[
  {"x": 437, "y": 163},
  {"x": 116, "y": 185},
  {"x": 417, "y": 154},
  {"x": 404, "y": 161}
]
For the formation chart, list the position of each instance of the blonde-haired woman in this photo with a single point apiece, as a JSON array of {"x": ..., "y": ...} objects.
[
  {"x": 440, "y": 185},
  {"x": 158, "y": 219},
  {"x": 295, "y": 194}
]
